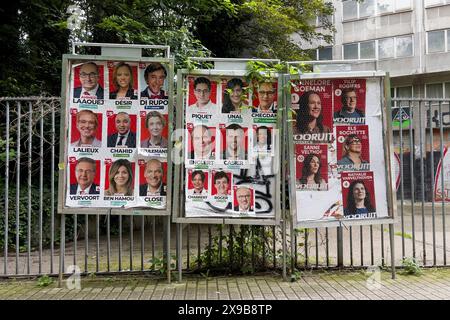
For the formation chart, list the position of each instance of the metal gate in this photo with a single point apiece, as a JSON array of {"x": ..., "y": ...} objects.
[{"x": 31, "y": 228}]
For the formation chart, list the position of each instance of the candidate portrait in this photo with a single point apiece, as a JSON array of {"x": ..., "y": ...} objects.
[
  {"x": 90, "y": 87},
  {"x": 85, "y": 170},
  {"x": 155, "y": 74},
  {"x": 87, "y": 126},
  {"x": 154, "y": 123},
  {"x": 153, "y": 174},
  {"x": 123, "y": 137}
]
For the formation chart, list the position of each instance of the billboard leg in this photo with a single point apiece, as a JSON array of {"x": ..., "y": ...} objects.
[
  {"x": 61, "y": 250},
  {"x": 179, "y": 250},
  {"x": 340, "y": 247},
  {"x": 391, "y": 238},
  {"x": 283, "y": 224},
  {"x": 167, "y": 224}
]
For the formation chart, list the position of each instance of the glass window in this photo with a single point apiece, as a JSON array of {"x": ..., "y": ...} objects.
[
  {"x": 367, "y": 50},
  {"x": 433, "y": 90},
  {"x": 351, "y": 51},
  {"x": 367, "y": 8},
  {"x": 326, "y": 53},
  {"x": 404, "y": 92},
  {"x": 447, "y": 90},
  {"x": 448, "y": 39},
  {"x": 432, "y": 2},
  {"x": 402, "y": 4},
  {"x": 350, "y": 10},
  {"x": 385, "y": 6},
  {"x": 436, "y": 41},
  {"x": 404, "y": 46},
  {"x": 386, "y": 48}
]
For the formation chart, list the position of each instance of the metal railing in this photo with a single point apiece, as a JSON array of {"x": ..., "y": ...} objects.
[{"x": 30, "y": 226}]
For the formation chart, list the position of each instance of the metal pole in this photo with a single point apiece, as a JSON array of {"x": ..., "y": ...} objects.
[
  {"x": 340, "y": 247},
  {"x": 30, "y": 138},
  {"x": 283, "y": 225},
  {"x": 41, "y": 186},
  {"x": 433, "y": 216},
  {"x": 52, "y": 187},
  {"x": 422, "y": 184},
  {"x": 61, "y": 250},
  {"x": 142, "y": 242},
  {"x": 6, "y": 240},
  {"x": 168, "y": 249},
  {"x": 391, "y": 238},
  {"x": 411, "y": 172},
  {"x": 18, "y": 187},
  {"x": 441, "y": 134},
  {"x": 402, "y": 194},
  {"x": 180, "y": 251}
]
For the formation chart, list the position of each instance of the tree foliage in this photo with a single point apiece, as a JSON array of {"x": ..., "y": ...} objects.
[{"x": 35, "y": 34}]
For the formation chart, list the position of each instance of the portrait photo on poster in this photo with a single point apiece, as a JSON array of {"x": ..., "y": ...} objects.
[
  {"x": 119, "y": 181},
  {"x": 85, "y": 130},
  {"x": 88, "y": 83},
  {"x": 153, "y": 182},
  {"x": 153, "y": 84},
  {"x": 235, "y": 97},
  {"x": 349, "y": 101},
  {"x": 234, "y": 143},
  {"x": 244, "y": 199},
  {"x": 311, "y": 167},
  {"x": 352, "y": 144},
  {"x": 263, "y": 139},
  {"x": 83, "y": 187},
  {"x": 358, "y": 195},
  {"x": 312, "y": 111},
  {"x": 202, "y": 95},
  {"x": 265, "y": 97},
  {"x": 200, "y": 144},
  {"x": 197, "y": 185},
  {"x": 154, "y": 131},
  {"x": 123, "y": 81},
  {"x": 121, "y": 131}
]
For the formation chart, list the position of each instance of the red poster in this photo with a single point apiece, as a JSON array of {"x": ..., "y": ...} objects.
[
  {"x": 349, "y": 101},
  {"x": 208, "y": 94},
  {"x": 358, "y": 195},
  {"x": 222, "y": 180},
  {"x": 94, "y": 75},
  {"x": 243, "y": 199},
  {"x": 117, "y": 169},
  {"x": 234, "y": 141},
  {"x": 197, "y": 182},
  {"x": 142, "y": 165},
  {"x": 155, "y": 125},
  {"x": 353, "y": 148},
  {"x": 201, "y": 141},
  {"x": 89, "y": 123},
  {"x": 134, "y": 75},
  {"x": 263, "y": 138},
  {"x": 312, "y": 104},
  {"x": 311, "y": 166},
  {"x": 121, "y": 123},
  {"x": 267, "y": 98},
  {"x": 84, "y": 172}
]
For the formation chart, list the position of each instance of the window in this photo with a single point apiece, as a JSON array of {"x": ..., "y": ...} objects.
[
  {"x": 386, "y": 48},
  {"x": 351, "y": 51},
  {"x": 429, "y": 3},
  {"x": 350, "y": 10},
  {"x": 403, "y": 46},
  {"x": 367, "y": 50},
  {"x": 436, "y": 41},
  {"x": 447, "y": 90},
  {"x": 385, "y": 6},
  {"x": 325, "y": 53},
  {"x": 402, "y": 92},
  {"x": 368, "y": 8},
  {"x": 434, "y": 90}
]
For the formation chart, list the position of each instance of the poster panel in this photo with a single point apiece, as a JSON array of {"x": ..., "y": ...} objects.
[
  {"x": 337, "y": 143},
  {"x": 443, "y": 170},
  {"x": 117, "y": 120},
  {"x": 231, "y": 147}
]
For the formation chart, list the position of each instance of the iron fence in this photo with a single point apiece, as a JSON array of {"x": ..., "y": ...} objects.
[{"x": 33, "y": 233}]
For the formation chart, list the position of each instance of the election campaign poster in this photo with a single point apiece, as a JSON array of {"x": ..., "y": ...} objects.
[
  {"x": 231, "y": 147},
  {"x": 117, "y": 121},
  {"x": 349, "y": 101},
  {"x": 312, "y": 106},
  {"x": 337, "y": 150},
  {"x": 442, "y": 179}
]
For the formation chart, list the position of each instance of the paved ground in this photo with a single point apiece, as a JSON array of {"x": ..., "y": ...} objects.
[{"x": 357, "y": 285}]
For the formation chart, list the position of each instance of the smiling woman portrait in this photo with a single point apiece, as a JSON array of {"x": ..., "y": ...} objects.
[
  {"x": 123, "y": 82},
  {"x": 309, "y": 116},
  {"x": 120, "y": 179}
]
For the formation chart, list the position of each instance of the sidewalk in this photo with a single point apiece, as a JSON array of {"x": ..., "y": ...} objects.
[{"x": 433, "y": 284}]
